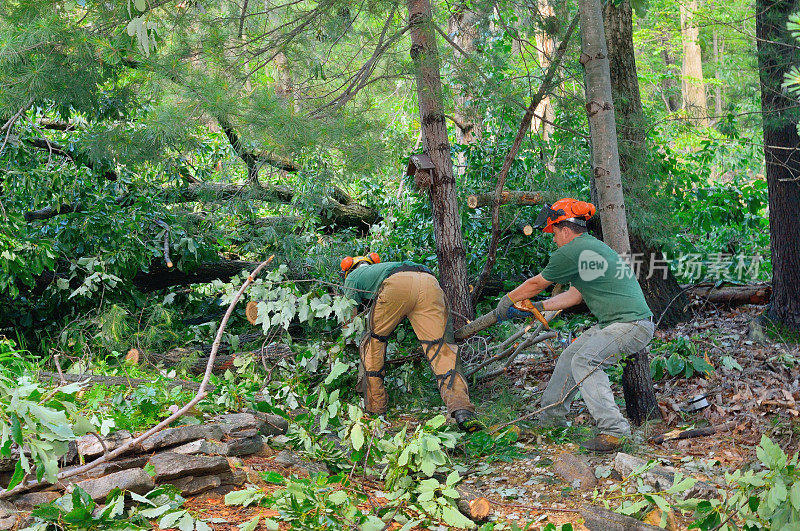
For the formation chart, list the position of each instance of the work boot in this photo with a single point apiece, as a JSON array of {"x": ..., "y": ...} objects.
[
  {"x": 603, "y": 444},
  {"x": 467, "y": 421}
]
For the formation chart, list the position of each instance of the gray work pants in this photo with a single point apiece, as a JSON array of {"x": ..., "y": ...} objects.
[{"x": 583, "y": 362}]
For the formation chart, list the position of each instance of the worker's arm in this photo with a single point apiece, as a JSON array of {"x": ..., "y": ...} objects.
[
  {"x": 530, "y": 288},
  {"x": 571, "y": 297}
]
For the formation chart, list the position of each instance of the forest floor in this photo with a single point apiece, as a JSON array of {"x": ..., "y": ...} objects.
[{"x": 761, "y": 396}]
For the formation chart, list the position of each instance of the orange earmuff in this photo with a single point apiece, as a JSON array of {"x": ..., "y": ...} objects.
[
  {"x": 347, "y": 263},
  {"x": 374, "y": 257}
]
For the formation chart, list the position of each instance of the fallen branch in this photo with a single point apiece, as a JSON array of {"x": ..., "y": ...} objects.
[
  {"x": 201, "y": 393},
  {"x": 675, "y": 435},
  {"x": 732, "y": 295},
  {"x": 506, "y": 198},
  {"x": 102, "y": 379},
  {"x": 597, "y": 519}
]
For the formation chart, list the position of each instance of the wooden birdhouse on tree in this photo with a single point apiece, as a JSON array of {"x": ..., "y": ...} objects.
[{"x": 422, "y": 168}]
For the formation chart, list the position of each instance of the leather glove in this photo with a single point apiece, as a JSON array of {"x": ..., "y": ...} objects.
[
  {"x": 514, "y": 311},
  {"x": 502, "y": 308}
]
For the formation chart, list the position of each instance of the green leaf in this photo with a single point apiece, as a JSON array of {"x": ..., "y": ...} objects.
[
  {"x": 794, "y": 495},
  {"x": 357, "y": 437},
  {"x": 271, "y": 525},
  {"x": 273, "y": 477},
  {"x": 251, "y": 525},
  {"x": 436, "y": 422},
  {"x": 155, "y": 512},
  {"x": 454, "y": 518},
  {"x": 186, "y": 523},
  {"x": 141, "y": 5},
  {"x": 338, "y": 497},
  {"x": 372, "y": 523},
  {"x": 675, "y": 364},
  {"x": 16, "y": 430},
  {"x": 200, "y": 525},
  {"x": 452, "y": 478},
  {"x": 170, "y": 519},
  {"x": 337, "y": 370},
  {"x": 19, "y": 474}
]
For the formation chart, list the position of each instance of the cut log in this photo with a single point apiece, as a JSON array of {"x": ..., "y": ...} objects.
[
  {"x": 597, "y": 519},
  {"x": 473, "y": 327},
  {"x": 507, "y": 198},
  {"x": 94, "y": 379},
  {"x": 733, "y": 296},
  {"x": 637, "y": 386},
  {"x": 473, "y": 504}
]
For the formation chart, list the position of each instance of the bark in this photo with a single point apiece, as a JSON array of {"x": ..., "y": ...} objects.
[
  {"x": 693, "y": 88},
  {"x": 102, "y": 379},
  {"x": 669, "y": 85},
  {"x": 637, "y": 386},
  {"x": 159, "y": 276},
  {"x": 660, "y": 287},
  {"x": 597, "y": 519},
  {"x": 462, "y": 25},
  {"x": 719, "y": 47},
  {"x": 600, "y": 108},
  {"x": 777, "y": 51},
  {"x": 197, "y": 365},
  {"x": 507, "y": 197},
  {"x": 732, "y": 296},
  {"x": 450, "y": 250},
  {"x": 284, "y": 85}
]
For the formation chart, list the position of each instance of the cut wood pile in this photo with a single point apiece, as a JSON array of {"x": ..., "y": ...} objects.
[{"x": 193, "y": 458}]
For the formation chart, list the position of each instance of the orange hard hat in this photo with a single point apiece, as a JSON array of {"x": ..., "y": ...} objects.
[
  {"x": 566, "y": 209},
  {"x": 350, "y": 262}
]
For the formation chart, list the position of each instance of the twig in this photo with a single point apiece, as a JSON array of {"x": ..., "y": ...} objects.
[
  {"x": 58, "y": 367},
  {"x": 201, "y": 393},
  {"x": 533, "y": 507}
]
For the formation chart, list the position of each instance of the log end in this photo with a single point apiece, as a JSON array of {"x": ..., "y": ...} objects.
[
  {"x": 472, "y": 201},
  {"x": 527, "y": 230},
  {"x": 479, "y": 509},
  {"x": 251, "y": 311}
]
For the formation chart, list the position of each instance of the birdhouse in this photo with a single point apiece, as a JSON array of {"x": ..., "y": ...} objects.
[{"x": 422, "y": 168}]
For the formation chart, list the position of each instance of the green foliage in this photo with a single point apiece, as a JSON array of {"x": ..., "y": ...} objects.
[
  {"x": 681, "y": 357},
  {"x": 43, "y": 420},
  {"x": 489, "y": 448},
  {"x": 124, "y": 511}
]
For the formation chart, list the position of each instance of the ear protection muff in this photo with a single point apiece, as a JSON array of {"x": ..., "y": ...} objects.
[
  {"x": 583, "y": 209},
  {"x": 374, "y": 258},
  {"x": 347, "y": 263}
]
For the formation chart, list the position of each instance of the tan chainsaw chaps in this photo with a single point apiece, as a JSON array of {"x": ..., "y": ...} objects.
[{"x": 419, "y": 297}]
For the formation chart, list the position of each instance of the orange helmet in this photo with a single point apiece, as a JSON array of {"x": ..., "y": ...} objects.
[
  {"x": 350, "y": 262},
  {"x": 566, "y": 209}
]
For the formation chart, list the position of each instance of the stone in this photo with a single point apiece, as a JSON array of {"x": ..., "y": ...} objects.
[
  {"x": 235, "y": 422},
  {"x": 133, "y": 479},
  {"x": 181, "y": 435},
  {"x": 575, "y": 470},
  {"x": 287, "y": 458},
  {"x": 659, "y": 477},
  {"x": 29, "y": 500},
  {"x": 8, "y": 515},
  {"x": 169, "y": 465},
  {"x": 90, "y": 446},
  {"x": 234, "y": 447},
  {"x": 190, "y": 448},
  {"x": 237, "y": 477},
  {"x": 104, "y": 468},
  {"x": 191, "y": 485}
]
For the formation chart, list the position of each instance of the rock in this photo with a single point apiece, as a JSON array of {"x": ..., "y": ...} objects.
[
  {"x": 659, "y": 477},
  {"x": 169, "y": 465},
  {"x": 287, "y": 458},
  {"x": 134, "y": 479},
  {"x": 8, "y": 515},
  {"x": 654, "y": 518},
  {"x": 234, "y": 447},
  {"x": 181, "y": 435},
  {"x": 232, "y": 423},
  {"x": 190, "y": 448},
  {"x": 90, "y": 446},
  {"x": 575, "y": 470},
  {"x": 237, "y": 477},
  {"x": 191, "y": 485},
  {"x": 29, "y": 500},
  {"x": 104, "y": 469}
]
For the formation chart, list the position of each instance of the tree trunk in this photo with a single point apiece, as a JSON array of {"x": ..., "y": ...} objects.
[
  {"x": 659, "y": 285},
  {"x": 719, "y": 47},
  {"x": 508, "y": 197},
  {"x": 693, "y": 87},
  {"x": 160, "y": 277},
  {"x": 462, "y": 25},
  {"x": 669, "y": 86},
  {"x": 777, "y": 52},
  {"x": 637, "y": 387},
  {"x": 545, "y": 48},
  {"x": 600, "y": 108},
  {"x": 450, "y": 250}
]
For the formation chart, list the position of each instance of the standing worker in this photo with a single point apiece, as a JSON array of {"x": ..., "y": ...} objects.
[
  {"x": 395, "y": 290},
  {"x": 607, "y": 284}
]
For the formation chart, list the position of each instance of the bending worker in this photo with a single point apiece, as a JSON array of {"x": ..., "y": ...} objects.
[
  {"x": 394, "y": 291},
  {"x": 607, "y": 284}
]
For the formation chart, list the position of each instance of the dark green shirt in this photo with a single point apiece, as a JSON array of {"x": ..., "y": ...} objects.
[
  {"x": 606, "y": 282},
  {"x": 368, "y": 278}
]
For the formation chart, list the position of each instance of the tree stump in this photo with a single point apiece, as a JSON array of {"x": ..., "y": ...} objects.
[{"x": 637, "y": 386}]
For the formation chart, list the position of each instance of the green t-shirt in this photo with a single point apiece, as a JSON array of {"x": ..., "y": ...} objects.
[
  {"x": 606, "y": 282},
  {"x": 368, "y": 279}
]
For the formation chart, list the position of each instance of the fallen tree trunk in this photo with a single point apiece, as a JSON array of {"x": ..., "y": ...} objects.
[
  {"x": 159, "y": 276},
  {"x": 732, "y": 295},
  {"x": 94, "y": 379},
  {"x": 194, "y": 364},
  {"x": 506, "y": 198},
  {"x": 597, "y": 519},
  {"x": 473, "y": 504}
]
